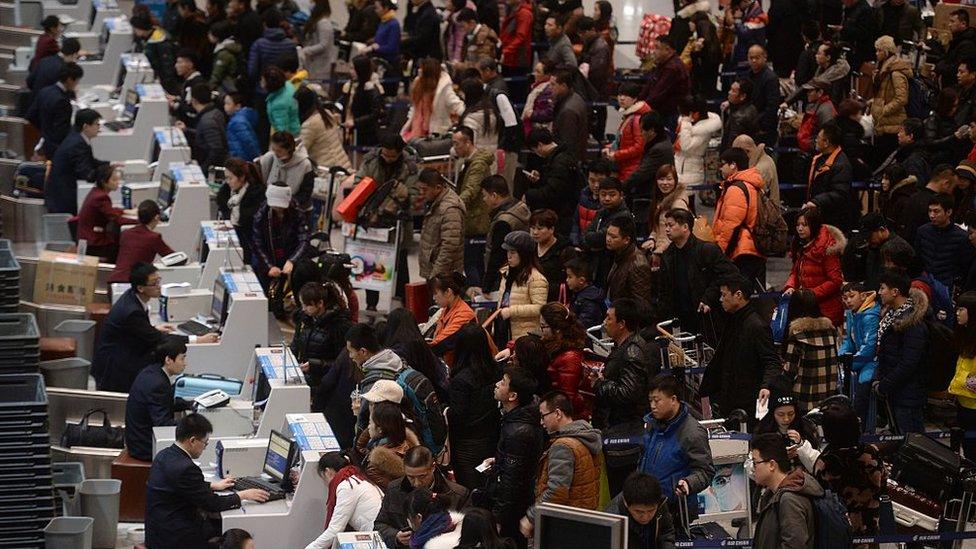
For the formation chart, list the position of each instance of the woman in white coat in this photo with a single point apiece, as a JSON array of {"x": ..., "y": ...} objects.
[
  {"x": 696, "y": 128},
  {"x": 434, "y": 106},
  {"x": 353, "y": 500},
  {"x": 319, "y": 48}
]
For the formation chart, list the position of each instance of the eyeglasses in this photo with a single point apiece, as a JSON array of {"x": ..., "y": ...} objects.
[{"x": 543, "y": 416}]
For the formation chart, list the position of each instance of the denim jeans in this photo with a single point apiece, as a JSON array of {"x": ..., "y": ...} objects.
[
  {"x": 865, "y": 404},
  {"x": 909, "y": 418},
  {"x": 474, "y": 260}
]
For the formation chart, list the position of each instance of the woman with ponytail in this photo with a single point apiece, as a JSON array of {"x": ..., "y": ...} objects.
[
  {"x": 353, "y": 501},
  {"x": 239, "y": 199},
  {"x": 434, "y": 527}
]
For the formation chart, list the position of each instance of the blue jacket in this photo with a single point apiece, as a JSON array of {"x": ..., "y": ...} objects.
[
  {"x": 51, "y": 113},
  {"x": 72, "y": 161},
  {"x": 283, "y": 110},
  {"x": 150, "y": 404},
  {"x": 388, "y": 40},
  {"x": 589, "y": 306},
  {"x": 861, "y": 339},
  {"x": 176, "y": 497},
  {"x": 242, "y": 139},
  {"x": 126, "y": 344},
  {"x": 265, "y": 52},
  {"x": 678, "y": 451},
  {"x": 945, "y": 252},
  {"x": 901, "y": 356}
]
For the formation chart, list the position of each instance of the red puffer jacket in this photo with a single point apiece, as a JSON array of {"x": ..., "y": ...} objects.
[
  {"x": 566, "y": 374},
  {"x": 630, "y": 148},
  {"x": 817, "y": 267}
]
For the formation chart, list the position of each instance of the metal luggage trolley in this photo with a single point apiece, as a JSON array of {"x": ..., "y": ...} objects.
[{"x": 685, "y": 355}]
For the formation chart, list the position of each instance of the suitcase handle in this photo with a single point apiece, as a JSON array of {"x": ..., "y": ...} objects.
[
  {"x": 213, "y": 376},
  {"x": 683, "y": 516}
]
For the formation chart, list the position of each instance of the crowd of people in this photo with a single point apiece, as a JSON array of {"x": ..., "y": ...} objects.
[{"x": 868, "y": 191}]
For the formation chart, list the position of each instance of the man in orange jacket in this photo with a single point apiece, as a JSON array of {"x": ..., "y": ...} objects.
[{"x": 736, "y": 214}]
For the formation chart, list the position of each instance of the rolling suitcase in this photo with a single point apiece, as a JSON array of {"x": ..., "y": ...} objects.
[
  {"x": 192, "y": 386},
  {"x": 703, "y": 531}
]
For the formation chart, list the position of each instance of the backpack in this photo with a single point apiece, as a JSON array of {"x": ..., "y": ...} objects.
[
  {"x": 428, "y": 409},
  {"x": 770, "y": 234},
  {"x": 831, "y": 525},
  {"x": 919, "y": 99}
]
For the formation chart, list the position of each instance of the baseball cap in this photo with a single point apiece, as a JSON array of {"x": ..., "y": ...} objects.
[{"x": 384, "y": 390}]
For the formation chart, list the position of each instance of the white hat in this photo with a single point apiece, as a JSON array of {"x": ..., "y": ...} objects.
[
  {"x": 279, "y": 196},
  {"x": 384, "y": 390}
]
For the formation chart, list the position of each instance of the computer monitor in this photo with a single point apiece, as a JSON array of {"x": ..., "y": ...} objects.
[
  {"x": 167, "y": 190},
  {"x": 562, "y": 526},
  {"x": 277, "y": 461},
  {"x": 131, "y": 100},
  {"x": 218, "y": 305}
]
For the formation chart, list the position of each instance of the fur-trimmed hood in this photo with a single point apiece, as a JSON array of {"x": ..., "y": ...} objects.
[
  {"x": 815, "y": 332},
  {"x": 830, "y": 241},
  {"x": 916, "y": 314}
]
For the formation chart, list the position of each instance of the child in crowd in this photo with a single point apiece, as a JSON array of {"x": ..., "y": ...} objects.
[
  {"x": 861, "y": 340},
  {"x": 589, "y": 201},
  {"x": 588, "y": 301}
]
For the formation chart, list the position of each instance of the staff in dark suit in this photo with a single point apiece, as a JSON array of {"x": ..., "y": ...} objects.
[
  {"x": 177, "y": 494},
  {"x": 151, "y": 402},
  {"x": 140, "y": 244},
  {"x": 47, "y": 70},
  {"x": 51, "y": 110},
  {"x": 127, "y": 339},
  {"x": 73, "y": 160}
]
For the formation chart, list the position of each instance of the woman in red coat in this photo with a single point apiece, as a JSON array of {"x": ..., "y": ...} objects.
[
  {"x": 816, "y": 263},
  {"x": 96, "y": 217},
  {"x": 630, "y": 140},
  {"x": 564, "y": 339}
]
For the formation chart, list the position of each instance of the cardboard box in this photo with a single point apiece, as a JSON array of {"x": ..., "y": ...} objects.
[{"x": 62, "y": 280}]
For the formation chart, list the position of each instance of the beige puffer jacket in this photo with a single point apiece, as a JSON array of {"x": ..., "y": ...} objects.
[
  {"x": 324, "y": 145},
  {"x": 525, "y": 302},
  {"x": 442, "y": 236},
  {"x": 890, "y": 95}
]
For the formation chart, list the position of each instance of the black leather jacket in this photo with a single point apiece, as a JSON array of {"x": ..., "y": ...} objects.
[{"x": 621, "y": 396}]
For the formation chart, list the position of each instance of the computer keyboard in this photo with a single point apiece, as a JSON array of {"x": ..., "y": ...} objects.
[
  {"x": 247, "y": 483},
  {"x": 193, "y": 327}
]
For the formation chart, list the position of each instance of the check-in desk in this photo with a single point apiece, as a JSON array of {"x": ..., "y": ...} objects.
[
  {"x": 105, "y": 71},
  {"x": 78, "y": 11},
  {"x": 137, "y": 142},
  {"x": 299, "y": 518},
  {"x": 191, "y": 205},
  {"x": 108, "y": 99},
  {"x": 219, "y": 248}
]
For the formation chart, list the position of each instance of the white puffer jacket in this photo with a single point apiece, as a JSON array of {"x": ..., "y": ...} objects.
[
  {"x": 693, "y": 141},
  {"x": 357, "y": 504},
  {"x": 446, "y": 103},
  {"x": 447, "y": 540}
]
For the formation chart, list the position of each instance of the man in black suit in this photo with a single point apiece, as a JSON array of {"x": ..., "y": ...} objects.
[
  {"x": 72, "y": 161},
  {"x": 127, "y": 339},
  {"x": 47, "y": 70},
  {"x": 51, "y": 110},
  {"x": 151, "y": 402},
  {"x": 177, "y": 494}
]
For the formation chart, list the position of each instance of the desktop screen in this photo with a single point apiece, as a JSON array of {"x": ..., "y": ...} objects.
[
  {"x": 560, "y": 526},
  {"x": 167, "y": 190},
  {"x": 218, "y": 305},
  {"x": 276, "y": 461},
  {"x": 131, "y": 99}
]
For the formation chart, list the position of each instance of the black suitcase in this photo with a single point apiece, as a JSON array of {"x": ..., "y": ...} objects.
[
  {"x": 705, "y": 530},
  {"x": 927, "y": 466}
]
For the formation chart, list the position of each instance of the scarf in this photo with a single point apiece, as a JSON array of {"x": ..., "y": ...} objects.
[
  {"x": 347, "y": 472},
  {"x": 387, "y": 16},
  {"x": 234, "y": 204},
  {"x": 891, "y": 315},
  {"x": 432, "y": 526}
]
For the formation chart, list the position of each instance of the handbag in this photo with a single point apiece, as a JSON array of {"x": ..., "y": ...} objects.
[{"x": 95, "y": 436}]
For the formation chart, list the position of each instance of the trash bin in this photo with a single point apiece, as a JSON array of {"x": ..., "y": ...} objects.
[
  {"x": 100, "y": 501},
  {"x": 70, "y": 373},
  {"x": 67, "y": 477},
  {"x": 84, "y": 333},
  {"x": 68, "y": 533}
]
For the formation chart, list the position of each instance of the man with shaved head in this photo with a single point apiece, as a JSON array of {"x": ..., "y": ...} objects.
[
  {"x": 766, "y": 96},
  {"x": 763, "y": 163}
]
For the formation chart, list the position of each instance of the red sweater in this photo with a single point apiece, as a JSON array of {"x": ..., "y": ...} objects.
[
  {"x": 46, "y": 46},
  {"x": 137, "y": 245},
  {"x": 97, "y": 212}
]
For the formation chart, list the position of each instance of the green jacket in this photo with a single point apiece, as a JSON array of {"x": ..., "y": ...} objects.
[
  {"x": 473, "y": 171},
  {"x": 225, "y": 66},
  {"x": 283, "y": 110}
]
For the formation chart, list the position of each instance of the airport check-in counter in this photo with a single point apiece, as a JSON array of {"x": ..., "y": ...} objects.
[
  {"x": 190, "y": 206},
  {"x": 219, "y": 248},
  {"x": 80, "y": 11},
  {"x": 105, "y": 71},
  {"x": 103, "y": 97},
  {"x": 136, "y": 142}
]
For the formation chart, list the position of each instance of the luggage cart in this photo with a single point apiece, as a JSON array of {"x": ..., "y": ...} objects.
[{"x": 685, "y": 356}]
